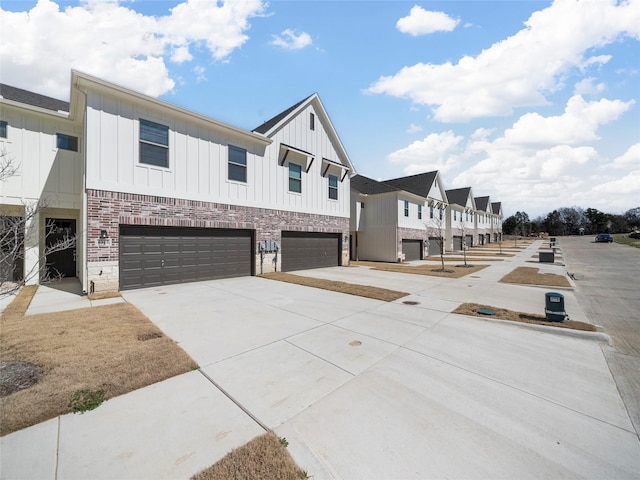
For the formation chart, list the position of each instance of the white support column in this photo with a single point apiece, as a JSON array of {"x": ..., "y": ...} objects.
[{"x": 32, "y": 250}]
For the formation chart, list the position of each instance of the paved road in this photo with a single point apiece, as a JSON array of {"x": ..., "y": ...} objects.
[{"x": 607, "y": 289}]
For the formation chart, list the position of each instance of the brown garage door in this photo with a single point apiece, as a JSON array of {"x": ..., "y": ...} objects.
[
  {"x": 304, "y": 250},
  {"x": 151, "y": 256},
  {"x": 412, "y": 249}
]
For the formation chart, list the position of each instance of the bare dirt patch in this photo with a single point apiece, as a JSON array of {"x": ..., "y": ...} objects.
[
  {"x": 263, "y": 457},
  {"x": 504, "y": 314},
  {"x": 451, "y": 271},
  {"x": 531, "y": 276},
  {"x": 113, "y": 348},
  {"x": 367, "y": 291}
]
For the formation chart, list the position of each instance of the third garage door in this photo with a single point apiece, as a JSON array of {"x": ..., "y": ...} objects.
[
  {"x": 151, "y": 256},
  {"x": 304, "y": 250}
]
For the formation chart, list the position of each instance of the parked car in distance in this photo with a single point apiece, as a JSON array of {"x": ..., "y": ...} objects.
[{"x": 604, "y": 238}]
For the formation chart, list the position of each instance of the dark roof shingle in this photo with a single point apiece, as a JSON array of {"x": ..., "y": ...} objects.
[
  {"x": 30, "y": 98},
  {"x": 419, "y": 184},
  {"x": 459, "y": 196},
  {"x": 269, "y": 124},
  {"x": 368, "y": 186}
]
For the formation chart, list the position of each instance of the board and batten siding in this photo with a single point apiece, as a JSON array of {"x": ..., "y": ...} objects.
[
  {"x": 43, "y": 171},
  {"x": 198, "y": 159}
]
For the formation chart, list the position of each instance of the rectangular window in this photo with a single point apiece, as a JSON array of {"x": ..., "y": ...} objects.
[
  {"x": 406, "y": 208},
  {"x": 154, "y": 144},
  {"x": 441, "y": 213},
  {"x": 455, "y": 214},
  {"x": 66, "y": 142},
  {"x": 237, "y": 164},
  {"x": 295, "y": 178},
  {"x": 312, "y": 121},
  {"x": 419, "y": 212},
  {"x": 333, "y": 187},
  {"x": 3, "y": 129},
  {"x": 431, "y": 211}
]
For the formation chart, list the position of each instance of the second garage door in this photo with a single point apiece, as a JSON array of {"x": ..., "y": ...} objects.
[
  {"x": 412, "y": 250},
  {"x": 304, "y": 250},
  {"x": 151, "y": 256}
]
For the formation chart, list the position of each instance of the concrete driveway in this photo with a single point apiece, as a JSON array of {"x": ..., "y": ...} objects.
[
  {"x": 360, "y": 388},
  {"x": 367, "y": 389}
]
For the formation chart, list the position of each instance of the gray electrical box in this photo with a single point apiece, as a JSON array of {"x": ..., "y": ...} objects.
[
  {"x": 268, "y": 246},
  {"x": 554, "y": 307}
]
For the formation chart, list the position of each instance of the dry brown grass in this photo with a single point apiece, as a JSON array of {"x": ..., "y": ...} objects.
[
  {"x": 367, "y": 291},
  {"x": 103, "y": 295},
  {"x": 263, "y": 457},
  {"x": 504, "y": 314},
  {"x": 114, "y": 348},
  {"x": 531, "y": 276},
  {"x": 454, "y": 271}
]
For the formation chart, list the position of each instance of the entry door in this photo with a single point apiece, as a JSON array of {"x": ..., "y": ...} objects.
[{"x": 63, "y": 262}]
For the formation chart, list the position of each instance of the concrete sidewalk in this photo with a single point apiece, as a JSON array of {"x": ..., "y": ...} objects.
[{"x": 360, "y": 388}]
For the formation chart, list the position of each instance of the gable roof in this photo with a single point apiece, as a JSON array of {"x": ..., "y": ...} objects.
[
  {"x": 496, "y": 207},
  {"x": 270, "y": 127},
  {"x": 19, "y": 95},
  {"x": 419, "y": 184},
  {"x": 368, "y": 186},
  {"x": 482, "y": 203},
  {"x": 459, "y": 196},
  {"x": 272, "y": 122}
]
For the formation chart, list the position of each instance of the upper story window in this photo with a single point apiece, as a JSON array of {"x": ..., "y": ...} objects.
[
  {"x": 312, "y": 121},
  {"x": 431, "y": 211},
  {"x": 419, "y": 212},
  {"x": 455, "y": 215},
  {"x": 295, "y": 178},
  {"x": 66, "y": 142},
  {"x": 333, "y": 187},
  {"x": 3, "y": 129},
  {"x": 406, "y": 208},
  {"x": 441, "y": 213},
  {"x": 154, "y": 144},
  {"x": 237, "y": 164}
]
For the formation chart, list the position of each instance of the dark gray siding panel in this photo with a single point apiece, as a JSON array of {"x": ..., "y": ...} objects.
[
  {"x": 151, "y": 256},
  {"x": 412, "y": 249},
  {"x": 304, "y": 250}
]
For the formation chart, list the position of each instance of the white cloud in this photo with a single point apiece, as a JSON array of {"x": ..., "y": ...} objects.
[
  {"x": 520, "y": 70},
  {"x": 629, "y": 159},
  {"x": 437, "y": 151},
  {"x": 588, "y": 86},
  {"x": 38, "y": 48},
  {"x": 290, "y": 40},
  {"x": 422, "y": 22},
  {"x": 413, "y": 128}
]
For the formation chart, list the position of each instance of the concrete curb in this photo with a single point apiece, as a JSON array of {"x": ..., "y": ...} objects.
[{"x": 566, "y": 332}]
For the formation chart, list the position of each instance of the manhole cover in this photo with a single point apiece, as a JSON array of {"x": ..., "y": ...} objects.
[
  {"x": 486, "y": 311},
  {"x": 411, "y": 302},
  {"x": 355, "y": 343}
]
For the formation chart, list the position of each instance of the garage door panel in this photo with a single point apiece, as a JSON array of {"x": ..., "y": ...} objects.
[
  {"x": 151, "y": 256},
  {"x": 305, "y": 250},
  {"x": 412, "y": 249}
]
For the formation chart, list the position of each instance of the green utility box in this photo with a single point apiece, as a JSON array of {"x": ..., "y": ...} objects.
[
  {"x": 546, "y": 257},
  {"x": 554, "y": 307}
]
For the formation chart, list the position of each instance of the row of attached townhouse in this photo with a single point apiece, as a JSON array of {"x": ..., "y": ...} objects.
[
  {"x": 412, "y": 217},
  {"x": 157, "y": 194}
]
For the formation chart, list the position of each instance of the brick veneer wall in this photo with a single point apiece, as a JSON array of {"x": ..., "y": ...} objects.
[
  {"x": 412, "y": 234},
  {"x": 108, "y": 210}
]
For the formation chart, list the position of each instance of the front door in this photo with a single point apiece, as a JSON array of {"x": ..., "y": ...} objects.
[{"x": 60, "y": 263}]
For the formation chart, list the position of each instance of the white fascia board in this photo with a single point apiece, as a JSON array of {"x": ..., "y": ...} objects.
[
  {"x": 43, "y": 111},
  {"x": 82, "y": 81}
]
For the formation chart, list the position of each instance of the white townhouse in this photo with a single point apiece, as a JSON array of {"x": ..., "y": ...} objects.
[
  {"x": 496, "y": 221},
  {"x": 395, "y": 220},
  {"x": 158, "y": 194},
  {"x": 460, "y": 220},
  {"x": 482, "y": 219}
]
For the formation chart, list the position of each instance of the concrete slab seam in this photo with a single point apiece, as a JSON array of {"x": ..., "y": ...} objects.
[
  {"x": 319, "y": 357},
  {"x": 522, "y": 391},
  {"x": 236, "y": 402}
]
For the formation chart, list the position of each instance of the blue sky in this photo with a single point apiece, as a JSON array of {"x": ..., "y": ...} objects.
[{"x": 534, "y": 103}]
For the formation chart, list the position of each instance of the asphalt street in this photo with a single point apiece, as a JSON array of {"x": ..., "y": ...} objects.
[{"x": 607, "y": 290}]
